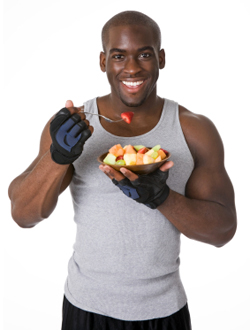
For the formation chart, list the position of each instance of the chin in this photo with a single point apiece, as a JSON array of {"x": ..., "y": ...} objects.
[{"x": 133, "y": 104}]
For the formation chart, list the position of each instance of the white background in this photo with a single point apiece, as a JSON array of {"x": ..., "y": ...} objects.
[{"x": 51, "y": 55}]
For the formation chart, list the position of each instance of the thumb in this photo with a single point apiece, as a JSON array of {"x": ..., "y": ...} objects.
[
  {"x": 166, "y": 166},
  {"x": 69, "y": 104}
]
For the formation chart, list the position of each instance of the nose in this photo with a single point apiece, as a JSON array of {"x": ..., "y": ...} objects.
[{"x": 132, "y": 66}]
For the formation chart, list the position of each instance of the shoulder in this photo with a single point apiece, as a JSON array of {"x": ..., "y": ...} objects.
[{"x": 202, "y": 137}]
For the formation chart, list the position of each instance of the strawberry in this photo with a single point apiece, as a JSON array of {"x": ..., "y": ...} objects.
[
  {"x": 118, "y": 158},
  {"x": 127, "y": 116},
  {"x": 142, "y": 150}
]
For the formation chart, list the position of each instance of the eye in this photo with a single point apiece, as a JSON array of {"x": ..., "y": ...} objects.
[
  {"x": 118, "y": 57},
  {"x": 145, "y": 55}
]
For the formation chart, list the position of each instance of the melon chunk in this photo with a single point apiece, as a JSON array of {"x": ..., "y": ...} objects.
[
  {"x": 129, "y": 149},
  {"x": 162, "y": 154},
  {"x": 138, "y": 147},
  {"x": 158, "y": 159},
  {"x": 157, "y": 147},
  {"x": 147, "y": 159},
  {"x": 110, "y": 159},
  {"x": 130, "y": 159},
  {"x": 139, "y": 159},
  {"x": 152, "y": 153},
  {"x": 116, "y": 150}
]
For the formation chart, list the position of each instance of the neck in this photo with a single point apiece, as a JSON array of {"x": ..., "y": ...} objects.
[
  {"x": 115, "y": 106},
  {"x": 146, "y": 116}
]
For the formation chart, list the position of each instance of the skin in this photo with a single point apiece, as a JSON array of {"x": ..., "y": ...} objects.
[
  {"x": 35, "y": 192},
  {"x": 207, "y": 211}
]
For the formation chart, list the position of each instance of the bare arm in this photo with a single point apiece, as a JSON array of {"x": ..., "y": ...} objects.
[
  {"x": 34, "y": 194},
  {"x": 207, "y": 211}
]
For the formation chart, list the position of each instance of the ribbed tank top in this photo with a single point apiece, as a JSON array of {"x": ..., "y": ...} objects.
[{"x": 125, "y": 262}]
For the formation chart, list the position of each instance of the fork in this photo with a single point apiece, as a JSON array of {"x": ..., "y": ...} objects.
[{"x": 97, "y": 114}]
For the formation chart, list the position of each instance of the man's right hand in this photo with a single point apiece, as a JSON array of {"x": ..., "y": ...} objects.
[{"x": 69, "y": 131}]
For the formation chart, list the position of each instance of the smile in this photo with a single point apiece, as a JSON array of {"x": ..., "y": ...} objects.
[{"x": 132, "y": 83}]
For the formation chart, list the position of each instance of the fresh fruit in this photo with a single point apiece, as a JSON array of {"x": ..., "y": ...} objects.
[
  {"x": 157, "y": 147},
  {"x": 116, "y": 150},
  {"x": 162, "y": 153},
  {"x": 134, "y": 155},
  {"x": 143, "y": 150},
  {"x": 152, "y": 153},
  {"x": 165, "y": 151},
  {"x": 158, "y": 159},
  {"x": 120, "y": 162},
  {"x": 138, "y": 147},
  {"x": 110, "y": 159},
  {"x": 129, "y": 149},
  {"x": 147, "y": 159},
  {"x": 130, "y": 159},
  {"x": 139, "y": 159},
  {"x": 127, "y": 116}
]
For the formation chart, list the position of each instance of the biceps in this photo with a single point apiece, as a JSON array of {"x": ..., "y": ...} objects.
[{"x": 210, "y": 185}]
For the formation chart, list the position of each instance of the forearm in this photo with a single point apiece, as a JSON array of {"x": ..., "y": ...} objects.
[
  {"x": 205, "y": 221},
  {"x": 34, "y": 194}
]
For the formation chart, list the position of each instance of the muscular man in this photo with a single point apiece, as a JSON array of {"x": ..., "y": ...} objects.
[{"x": 124, "y": 272}]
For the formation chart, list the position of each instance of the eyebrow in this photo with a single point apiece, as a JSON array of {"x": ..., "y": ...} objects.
[
  {"x": 118, "y": 50},
  {"x": 146, "y": 48}
]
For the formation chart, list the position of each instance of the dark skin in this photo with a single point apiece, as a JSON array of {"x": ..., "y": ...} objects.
[{"x": 207, "y": 211}]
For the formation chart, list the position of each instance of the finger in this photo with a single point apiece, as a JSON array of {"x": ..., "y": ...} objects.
[
  {"x": 91, "y": 128},
  {"x": 81, "y": 109},
  {"x": 111, "y": 173},
  {"x": 74, "y": 110},
  {"x": 69, "y": 104},
  {"x": 166, "y": 166},
  {"x": 128, "y": 174},
  {"x": 78, "y": 128}
]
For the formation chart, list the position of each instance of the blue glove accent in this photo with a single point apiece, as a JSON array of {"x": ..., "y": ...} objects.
[
  {"x": 150, "y": 190},
  {"x": 68, "y": 133},
  {"x": 66, "y": 137},
  {"x": 129, "y": 191}
]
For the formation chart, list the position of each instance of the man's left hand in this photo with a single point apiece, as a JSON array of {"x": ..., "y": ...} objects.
[{"x": 150, "y": 190}]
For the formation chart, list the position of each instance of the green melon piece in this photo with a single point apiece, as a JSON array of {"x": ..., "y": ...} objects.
[
  {"x": 138, "y": 147},
  {"x": 110, "y": 159},
  {"x": 157, "y": 147}
]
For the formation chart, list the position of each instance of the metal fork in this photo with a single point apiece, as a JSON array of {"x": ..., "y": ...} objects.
[{"x": 96, "y": 114}]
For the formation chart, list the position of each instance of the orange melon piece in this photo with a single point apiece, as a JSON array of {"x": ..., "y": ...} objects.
[
  {"x": 158, "y": 159},
  {"x": 162, "y": 154},
  {"x": 139, "y": 159},
  {"x": 116, "y": 150},
  {"x": 129, "y": 149}
]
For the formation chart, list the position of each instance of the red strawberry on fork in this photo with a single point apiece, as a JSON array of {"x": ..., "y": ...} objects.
[{"x": 127, "y": 116}]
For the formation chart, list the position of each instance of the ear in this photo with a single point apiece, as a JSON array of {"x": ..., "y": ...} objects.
[
  {"x": 103, "y": 61},
  {"x": 161, "y": 59}
]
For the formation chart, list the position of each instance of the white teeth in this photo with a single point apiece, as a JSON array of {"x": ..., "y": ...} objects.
[{"x": 132, "y": 83}]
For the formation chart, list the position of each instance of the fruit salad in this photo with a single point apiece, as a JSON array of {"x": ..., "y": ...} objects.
[{"x": 134, "y": 155}]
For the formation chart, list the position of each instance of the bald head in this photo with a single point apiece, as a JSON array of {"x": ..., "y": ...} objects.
[{"x": 126, "y": 18}]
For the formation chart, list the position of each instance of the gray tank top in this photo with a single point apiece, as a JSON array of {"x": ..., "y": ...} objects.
[{"x": 125, "y": 262}]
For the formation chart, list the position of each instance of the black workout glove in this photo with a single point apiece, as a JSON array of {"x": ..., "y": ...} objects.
[
  {"x": 150, "y": 190},
  {"x": 68, "y": 133}
]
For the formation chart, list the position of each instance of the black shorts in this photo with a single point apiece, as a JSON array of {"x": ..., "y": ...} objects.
[{"x": 77, "y": 319}]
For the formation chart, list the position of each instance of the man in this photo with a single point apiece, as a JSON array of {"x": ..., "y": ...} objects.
[{"x": 124, "y": 273}]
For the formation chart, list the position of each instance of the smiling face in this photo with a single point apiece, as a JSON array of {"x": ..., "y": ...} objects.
[{"x": 132, "y": 61}]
